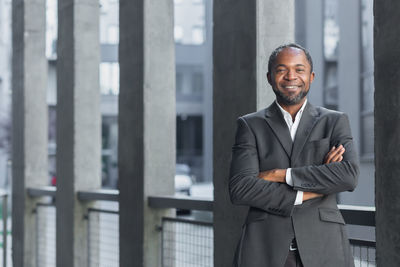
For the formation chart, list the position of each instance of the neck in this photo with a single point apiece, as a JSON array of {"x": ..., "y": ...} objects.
[{"x": 292, "y": 109}]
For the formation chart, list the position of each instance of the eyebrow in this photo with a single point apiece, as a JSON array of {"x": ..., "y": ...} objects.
[{"x": 282, "y": 65}]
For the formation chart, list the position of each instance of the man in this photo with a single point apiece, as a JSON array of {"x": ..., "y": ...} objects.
[{"x": 288, "y": 163}]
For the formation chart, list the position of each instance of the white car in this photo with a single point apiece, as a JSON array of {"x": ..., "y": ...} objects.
[{"x": 183, "y": 179}]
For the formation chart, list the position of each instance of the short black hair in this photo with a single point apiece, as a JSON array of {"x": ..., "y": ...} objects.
[{"x": 275, "y": 53}]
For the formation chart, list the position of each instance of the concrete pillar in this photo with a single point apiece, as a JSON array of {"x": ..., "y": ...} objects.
[
  {"x": 147, "y": 122},
  {"x": 29, "y": 123},
  {"x": 245, "y": 33},
  {"x": 78, "y": 124},
  {"x": 387, "y": 137}
]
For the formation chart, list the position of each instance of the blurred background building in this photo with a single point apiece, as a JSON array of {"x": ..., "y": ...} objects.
[{"x": 339, "y": 37}]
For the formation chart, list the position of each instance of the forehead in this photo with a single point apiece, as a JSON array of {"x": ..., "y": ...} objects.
[{"x": 291, "y": 56}]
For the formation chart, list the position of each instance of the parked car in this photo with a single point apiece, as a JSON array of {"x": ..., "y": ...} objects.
[{"x": 183, "y": 179}]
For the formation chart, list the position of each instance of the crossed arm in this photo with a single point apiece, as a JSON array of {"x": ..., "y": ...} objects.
[
  {"x": 279, "y": 175},
  {"x": 268, "y": 190}
]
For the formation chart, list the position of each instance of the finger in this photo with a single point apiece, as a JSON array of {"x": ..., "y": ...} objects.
[
  {"x": 331, "y": 154},
  {"x": 334, "y": 155},
  {"x": 338, "y": 156},
  {"x": 327, "y": 154}
]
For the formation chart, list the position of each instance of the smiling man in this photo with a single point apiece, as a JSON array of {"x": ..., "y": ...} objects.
[{"x": 288, "y": 163}]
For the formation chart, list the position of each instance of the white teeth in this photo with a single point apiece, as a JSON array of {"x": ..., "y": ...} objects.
[{"x": 290, "y": 87}]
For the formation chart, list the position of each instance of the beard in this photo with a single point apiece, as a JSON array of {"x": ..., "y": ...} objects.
[{"x": 289, "y": 100}]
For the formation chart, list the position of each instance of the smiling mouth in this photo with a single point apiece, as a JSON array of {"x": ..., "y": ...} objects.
[{"x": 291, "y": 87}]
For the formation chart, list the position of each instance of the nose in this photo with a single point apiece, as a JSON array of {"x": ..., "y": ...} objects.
[{"x": 290, "y": 75}]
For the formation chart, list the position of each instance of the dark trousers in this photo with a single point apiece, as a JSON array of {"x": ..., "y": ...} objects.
[{"x": 293, "y": 259}]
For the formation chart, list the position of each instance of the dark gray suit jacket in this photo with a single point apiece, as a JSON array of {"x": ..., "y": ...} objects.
[{"x": 262, "y": 143}]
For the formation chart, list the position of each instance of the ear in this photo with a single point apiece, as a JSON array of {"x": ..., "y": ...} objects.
[
  {"x": 312, "y": 76},
  {"x": 269, "y": 78}
]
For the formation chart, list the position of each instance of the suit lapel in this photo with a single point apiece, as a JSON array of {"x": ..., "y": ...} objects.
[
  {"x": 278, "y": 125},
  {"x": 307, "y": 122}
]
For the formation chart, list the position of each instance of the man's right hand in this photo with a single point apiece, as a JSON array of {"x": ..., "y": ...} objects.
[{"x": 334, "y": 155}]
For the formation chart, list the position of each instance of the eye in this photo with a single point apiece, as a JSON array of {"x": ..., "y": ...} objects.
[
  {"x": 280, "y": 70},
  {"x": 300, "y": 70}
]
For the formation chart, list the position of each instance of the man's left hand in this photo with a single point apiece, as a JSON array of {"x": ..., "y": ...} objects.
[{"x": 275, "y": 175}]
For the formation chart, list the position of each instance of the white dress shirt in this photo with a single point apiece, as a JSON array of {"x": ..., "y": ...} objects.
[{"x": 293, "y": 125}]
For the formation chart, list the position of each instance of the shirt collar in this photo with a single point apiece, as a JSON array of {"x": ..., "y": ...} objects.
[{"x": 299, "y": 113}]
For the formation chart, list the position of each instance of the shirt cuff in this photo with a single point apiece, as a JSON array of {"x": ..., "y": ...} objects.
[
  {"x": 288, "y": 177},
  {"x": 299, "y": 198}
]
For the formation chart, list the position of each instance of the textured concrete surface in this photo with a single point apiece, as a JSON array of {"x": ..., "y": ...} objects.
[
  {"x": 387, "y": 129},
  {"x": 29, "y": 109},
  {"x": 147, "y": 125},
  {"x": 78, "y": 124},
  {"x": 245, "y": 32}
]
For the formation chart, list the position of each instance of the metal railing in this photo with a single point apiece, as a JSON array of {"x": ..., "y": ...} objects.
[
  {"x": 103, "y": 238},
  {"x": 363, "y": 250},
  {"x": 102, "y": 223},
  {"x": 5, "y": 232},
  {"x": 45, "y": 212},
  {"x": 103, "y": 227},
  {"x": 187, "y": 243},
  {"x": 46, "y": 235}
]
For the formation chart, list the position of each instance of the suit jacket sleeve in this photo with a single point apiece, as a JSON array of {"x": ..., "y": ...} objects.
[
  {"x": 245, "y": 187},
  {"x": 333, "y": 177}
]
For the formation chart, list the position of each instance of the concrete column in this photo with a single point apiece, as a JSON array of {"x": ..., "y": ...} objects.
[
  {"x": 387, "y": 137},
  {"x": 29, "y": 122},
  {"x": 78, "y": 124},
  {"x": 245, "y": 33},
  {"x": 147, "y": 122}
]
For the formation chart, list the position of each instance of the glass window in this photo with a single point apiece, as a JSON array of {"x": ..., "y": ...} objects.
[
  {"x": 109, "y": 78},
  {"x": 51, "y": 28},
  {"x": 178, "y": 33},
  {"x": 197, "y": 35},
  {"x": 197, "y": 83},
  {"x": 189, "y": 22},
  {"x": 179, "y": 83},
  {"x": 331, "y": 29},
  {"x": 113, "y": 34}
]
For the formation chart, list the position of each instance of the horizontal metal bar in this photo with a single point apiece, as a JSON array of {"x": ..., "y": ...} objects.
[
  {"x": 99, "y": 194},
  {"x": 103, "y": 211},
  {"x": 42, "y": 191},
  {"x": 191, "y": 221},
  {"x": 358, "y": 215},
  {"x": 40, "y": 204},
  {"x": 181, "y": 202},
  {"x": 362, "y": 243}
]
